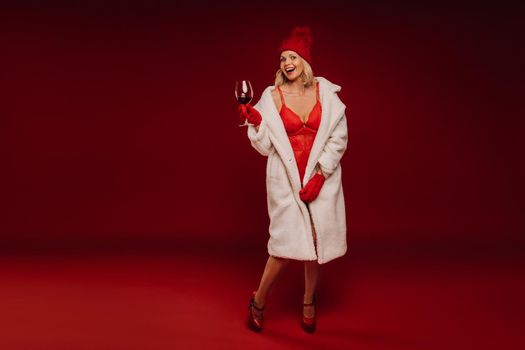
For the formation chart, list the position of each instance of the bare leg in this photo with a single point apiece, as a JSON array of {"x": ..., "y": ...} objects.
[
  {"x": 311, "y": 278},
  {"x": 273, "y": 268}
]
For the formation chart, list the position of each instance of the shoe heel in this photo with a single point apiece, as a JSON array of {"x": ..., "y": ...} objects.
[
  {"x": 309, "y": 323},
  {"x": 254, "y": 324}
]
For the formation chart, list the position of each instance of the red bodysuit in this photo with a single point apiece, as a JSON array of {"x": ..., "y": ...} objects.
[{"x": 301, "y": 135}]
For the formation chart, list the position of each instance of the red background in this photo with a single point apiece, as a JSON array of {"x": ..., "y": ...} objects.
[
  {"x": 120, "y": 121},
  {"x": 118, "y": 124}
]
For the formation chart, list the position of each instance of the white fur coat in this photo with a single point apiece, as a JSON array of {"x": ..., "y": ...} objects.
[{"x": 290, "y": 225}]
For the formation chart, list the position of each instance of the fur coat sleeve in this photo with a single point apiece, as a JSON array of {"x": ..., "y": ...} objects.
[
  {"x": 260, "y": 139},
  {"x": 334, "y": 148}
]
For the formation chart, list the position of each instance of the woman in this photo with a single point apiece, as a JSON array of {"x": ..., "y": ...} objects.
[{"x": 300, "y": 125}]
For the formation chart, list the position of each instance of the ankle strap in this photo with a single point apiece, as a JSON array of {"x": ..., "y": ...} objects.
[
  {"x": 252, "y": 304},
  {"x": 312, "y": 303}
]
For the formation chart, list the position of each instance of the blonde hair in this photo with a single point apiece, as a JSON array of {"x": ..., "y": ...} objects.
[{"x": 307, "y": 75}]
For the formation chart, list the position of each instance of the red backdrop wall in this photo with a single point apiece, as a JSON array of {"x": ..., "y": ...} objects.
[{"x": 119, "y": 121}]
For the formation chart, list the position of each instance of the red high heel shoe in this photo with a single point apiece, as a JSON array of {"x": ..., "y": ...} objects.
[
  {"x": 255, "y": 324},
  {"x": 309, "y": 323}
]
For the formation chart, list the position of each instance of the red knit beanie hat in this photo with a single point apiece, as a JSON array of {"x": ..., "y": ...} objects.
[{"x": 300, "y": 42}]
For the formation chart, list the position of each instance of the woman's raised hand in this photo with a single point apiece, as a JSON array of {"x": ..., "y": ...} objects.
[
  {"x": 247, "y": 112},
  {"x": 310, "y": 192}
]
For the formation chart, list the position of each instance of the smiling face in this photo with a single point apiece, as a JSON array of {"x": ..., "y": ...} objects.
[{"x": 291, "y": 64}]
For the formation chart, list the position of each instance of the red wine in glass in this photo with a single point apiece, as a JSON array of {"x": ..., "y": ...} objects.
[
  {"x": 244, "y": 99},
  {"x": 243, "y": 93}
]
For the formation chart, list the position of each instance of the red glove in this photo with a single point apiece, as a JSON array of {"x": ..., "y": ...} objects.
[
  {"x": 247, "y": 112},
  {"x": 310, "y": 192}
]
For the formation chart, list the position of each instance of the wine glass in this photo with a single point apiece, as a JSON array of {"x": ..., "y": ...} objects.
[{"x": 243, "y": 93}]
